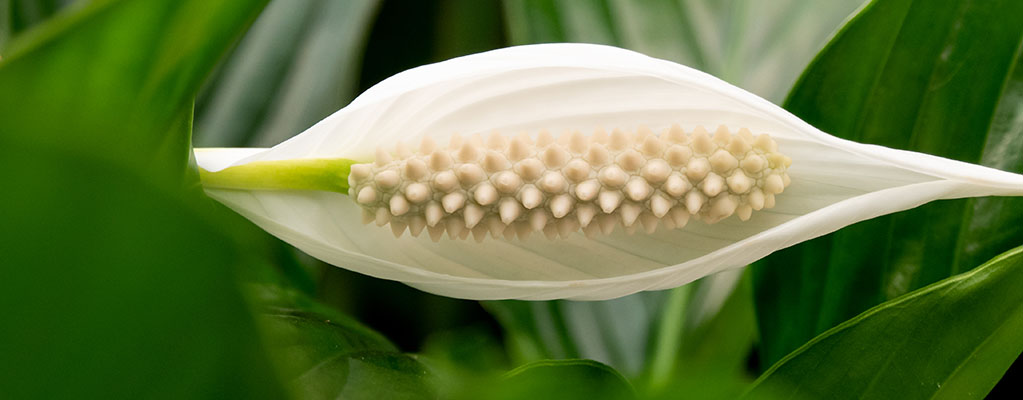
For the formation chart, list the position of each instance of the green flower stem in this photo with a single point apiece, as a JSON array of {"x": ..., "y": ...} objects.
[
  {"x": 668, "y": 340},
  {"x": 325, "y": 174}
]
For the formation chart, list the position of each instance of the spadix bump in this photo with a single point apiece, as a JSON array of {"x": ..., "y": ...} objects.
[{"x": 556, "y": 185}]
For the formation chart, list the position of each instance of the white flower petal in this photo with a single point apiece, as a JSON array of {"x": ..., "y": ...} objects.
[{"x": 576, "y": 86}]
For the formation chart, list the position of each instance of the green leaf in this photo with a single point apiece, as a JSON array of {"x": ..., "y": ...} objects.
[
  {"x": 17, "y": 16},
  {"x": 758, "y": 45},
  {"x": 118, "y": 291},
  {"x": 110, "y": 78},
  {"x": 950, "y": 340},
  {"x": 298, "y": 64},
  {"x": 915, "y": 75},
  {"x": 466, "y": 26},
  {"x": 117, "y": 283},
  {"x": 329, "y": 357},
  {"x": 318, "y": 351},
  {"x": 556, "y": 379}
]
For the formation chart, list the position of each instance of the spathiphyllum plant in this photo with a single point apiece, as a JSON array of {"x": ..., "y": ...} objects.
[
  {"x": 711, "y": 199},
  {"x": 568, "y": 171}
]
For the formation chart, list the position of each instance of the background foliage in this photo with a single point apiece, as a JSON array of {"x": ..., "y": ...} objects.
[{"x": 120, "y": 279}]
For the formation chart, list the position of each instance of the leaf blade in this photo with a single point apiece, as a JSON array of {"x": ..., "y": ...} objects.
[
  {"x": 875, "y": 82},
  {"x": 978, "y": 342}
]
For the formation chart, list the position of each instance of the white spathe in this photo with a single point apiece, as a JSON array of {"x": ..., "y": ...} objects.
[{"x": 556, "y": 87}]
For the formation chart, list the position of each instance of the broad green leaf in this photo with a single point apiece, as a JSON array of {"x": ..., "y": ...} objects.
[
  {"x": 298, "y": 64},
  {"x": 322, "y": 354},
  {"x": 318, "y": 351},
  {"x": 117, "y": 282},
  {"x": 115, "y": 287},
  {"x": 555, "y": 379},
  {"x": 950, "y": 340},
  {"x": 916, "y": 75}
]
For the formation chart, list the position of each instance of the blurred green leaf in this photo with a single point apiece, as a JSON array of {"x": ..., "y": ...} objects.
[
  {"x": 19, "y": 15},
  {"x": 616, "y": 332},
  {"x": 6, "y": 24},
  {"x": 720, "y": 346},
  {"x": 950, "y": 340},
  {"x": 325, "y": 355},
  {"x": 757, "y": 45},
  {"x": 117, "y": 282},
  {"x": 114, "y": 287},
  {"x": 916, "y": 75},
  {"x": 113, "y": 77},
  {"x": 707, "y": 328},
  {"x": 322, "y": 353},
  {"x": 711, "y": 342},
  {"x": 555, "y": 379},
  {"x": 467, "y": 26},
  {"x": 298, "y": 64}
]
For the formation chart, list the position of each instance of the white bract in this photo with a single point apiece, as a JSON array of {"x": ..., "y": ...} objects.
[{"x": 570, "y": 88}]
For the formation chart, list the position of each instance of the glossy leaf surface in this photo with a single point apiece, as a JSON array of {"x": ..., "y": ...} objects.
[
  {"x": 950, "y": 340},
  {"x": 914, "y": 75}
]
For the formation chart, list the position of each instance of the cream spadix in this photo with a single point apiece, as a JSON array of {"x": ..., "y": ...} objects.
[
  {"x": 559, "y": 88},
  {"x": 513, "y": 188}
]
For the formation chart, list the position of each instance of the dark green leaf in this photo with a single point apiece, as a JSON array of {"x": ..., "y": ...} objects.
[
  {"x": 917, "y": 75},
  {"x": 117, "y": 283},
  {"x": 19, "y": 15},
  {"x": 465, "y": 353},
  {"x": 6, "y": 23},
  {"x": 114, "y": 287},
  {"x": 299, "y": 63},
  {"x": 950, "y": 340},
  {"x": 325, "y": 355},
  {"x": 465, "y": 27},
  {"x": 556, "y": 380}
]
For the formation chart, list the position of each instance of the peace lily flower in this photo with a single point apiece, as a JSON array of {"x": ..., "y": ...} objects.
[{"x": 664, "y": 175}]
